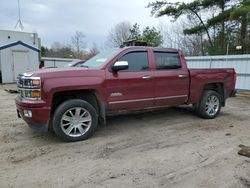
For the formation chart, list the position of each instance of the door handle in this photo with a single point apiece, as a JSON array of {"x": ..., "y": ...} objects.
[
  {"x": 182, "y": 76},
  {"x": 146, "y": 77}
]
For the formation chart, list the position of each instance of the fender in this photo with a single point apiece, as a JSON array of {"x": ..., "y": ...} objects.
[{"x": 54, "y": 85}]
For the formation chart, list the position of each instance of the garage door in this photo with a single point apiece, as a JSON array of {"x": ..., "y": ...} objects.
[{"x": 20, "y": 63}]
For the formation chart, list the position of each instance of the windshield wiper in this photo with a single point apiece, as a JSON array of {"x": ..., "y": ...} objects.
[{"x": 84, "y": 66}]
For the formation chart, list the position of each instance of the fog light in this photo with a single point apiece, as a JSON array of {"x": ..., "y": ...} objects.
[{"x": 27, "y": 113}]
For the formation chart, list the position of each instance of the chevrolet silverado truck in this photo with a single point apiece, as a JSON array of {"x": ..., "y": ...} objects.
[{"x": 73, "y": 101}]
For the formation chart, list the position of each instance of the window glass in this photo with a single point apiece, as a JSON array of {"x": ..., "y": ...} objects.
[
  {"x": 100, "y": 59},
  {"x": 137, "y": 61},
  {"x": 167, "y": 60}
]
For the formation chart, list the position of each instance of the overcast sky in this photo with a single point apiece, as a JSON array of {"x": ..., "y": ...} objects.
[{"x": 57, "y": 20}]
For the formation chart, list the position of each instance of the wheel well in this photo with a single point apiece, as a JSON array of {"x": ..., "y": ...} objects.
[
  {"x": 87, "y": 95},
  {"x": 218, "y": 87}
]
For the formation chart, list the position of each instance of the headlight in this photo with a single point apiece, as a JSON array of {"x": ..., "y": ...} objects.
[
  {"x": 29, "y": 87},
  {"x": 31, "y": 93},
  {"x": 32, "y": 82}
]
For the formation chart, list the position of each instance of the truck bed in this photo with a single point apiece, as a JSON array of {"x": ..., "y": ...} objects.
[{"x": 199, "y": 78}]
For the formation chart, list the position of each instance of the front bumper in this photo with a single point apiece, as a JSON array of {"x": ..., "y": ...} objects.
[{"x": 40, "y": 113}]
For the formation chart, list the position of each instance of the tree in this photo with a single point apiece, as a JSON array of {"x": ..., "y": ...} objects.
[
  {"x": 241, "y": 14},
  {"x": 222, "y": 23},
  {"x": 44, "y": 50},
  {"x": 152, "y": 36},
  {"x": 219, "y": 20},
  {"x": 149, "y": 35},
  {"x": 123, "y": 32},
  {"x": 174, "y": 37},
  {"x": 78, "y": 43},
  {"x": 135, "y": 32},
  {"x": 176, "y": 10},
  {"x": 58, "y": 50},
  {"x": 91, "y": 52},
  {"x": 119, "y": 33}
]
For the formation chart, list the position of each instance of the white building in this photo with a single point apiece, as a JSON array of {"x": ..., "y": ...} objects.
[{"x": 19, "y": 52}]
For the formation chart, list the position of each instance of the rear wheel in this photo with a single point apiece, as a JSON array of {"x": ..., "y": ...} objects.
[
  {"x": 75, "y": 120},
  {"x": 210, "y": 105}
]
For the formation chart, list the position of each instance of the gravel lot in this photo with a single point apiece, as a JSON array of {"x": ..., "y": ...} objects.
[{"x": 166, "y": 148}]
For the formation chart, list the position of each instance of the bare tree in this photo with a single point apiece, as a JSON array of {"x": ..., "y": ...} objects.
[
  {"x": 118, "y": 34},
  {"x": 78, "y": 43},
  {"x": 173, "y": 37},
  {"x": 94, "y": 50},
  {"x": 91, "y": 52}
]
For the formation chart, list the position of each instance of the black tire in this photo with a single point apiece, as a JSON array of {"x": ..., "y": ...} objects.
[
  {"x": 204, "y": 110},
  {"x": 71, "y": 105}
]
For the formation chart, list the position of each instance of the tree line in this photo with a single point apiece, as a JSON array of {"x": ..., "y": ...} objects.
[
  {"x": 221, "y": 25},
  {"x": 77, "y": 49},
  {"x": 200, "y": 27},
  {"x": 124, "y": 31}
]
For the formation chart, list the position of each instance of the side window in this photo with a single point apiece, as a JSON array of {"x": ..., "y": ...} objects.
[
  {"x": 137, "y": 61},
  {"x": 167, "y": 60}
]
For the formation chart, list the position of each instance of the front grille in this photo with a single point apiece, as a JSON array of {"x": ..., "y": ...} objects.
[{"x": 20, "y": 81}]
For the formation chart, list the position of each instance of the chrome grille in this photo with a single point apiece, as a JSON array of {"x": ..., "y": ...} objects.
[{"x": 20, "y": 81}]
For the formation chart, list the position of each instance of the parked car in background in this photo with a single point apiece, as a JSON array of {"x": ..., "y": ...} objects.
[{"x": 73, "y": 101}]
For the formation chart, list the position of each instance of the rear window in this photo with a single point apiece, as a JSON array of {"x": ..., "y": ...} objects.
[{"x": 167, "y": 60}]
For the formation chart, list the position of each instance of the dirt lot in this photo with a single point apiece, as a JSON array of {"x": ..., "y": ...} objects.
[{"x": 167, "y": 148}]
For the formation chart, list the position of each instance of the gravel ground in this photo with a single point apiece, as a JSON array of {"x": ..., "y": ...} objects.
[{"x": 165, "y": 148}]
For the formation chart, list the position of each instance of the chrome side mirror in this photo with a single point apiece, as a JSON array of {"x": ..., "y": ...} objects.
[{"x": 120, "y": 65}]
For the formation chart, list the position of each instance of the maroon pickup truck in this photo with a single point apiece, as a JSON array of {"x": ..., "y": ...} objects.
[{"x": 72, "y": 101}]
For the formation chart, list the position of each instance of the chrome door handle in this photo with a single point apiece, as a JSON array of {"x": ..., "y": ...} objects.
[
  {"x": 146, "y": 77},
  {"x": 182, "y": 76}
]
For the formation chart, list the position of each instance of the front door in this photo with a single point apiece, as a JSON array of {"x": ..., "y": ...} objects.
[{"x": 131, "y": 89}]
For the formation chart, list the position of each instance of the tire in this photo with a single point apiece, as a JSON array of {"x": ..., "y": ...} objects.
[
  {"x": 75, "y": 120},
  {"x": 209, "y": 105}
]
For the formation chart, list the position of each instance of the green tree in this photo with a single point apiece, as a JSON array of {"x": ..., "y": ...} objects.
[
  {"x": 152, "y": 36},
  {"x": 44, "y": 50},
  {"x": 176, "y": 10},
  {"x": 227, "y": 20},
  {"x": 135, "y": 32},
  {"x": 241, "y": 14},
  {"x": 149, "y": 35},
  {"x": 219, "y": 21}
]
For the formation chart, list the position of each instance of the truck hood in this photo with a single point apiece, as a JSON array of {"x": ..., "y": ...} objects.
[{"x": 66, "y": 72}]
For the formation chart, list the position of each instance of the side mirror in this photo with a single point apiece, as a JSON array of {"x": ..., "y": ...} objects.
[{"x": 120, "y": 65}]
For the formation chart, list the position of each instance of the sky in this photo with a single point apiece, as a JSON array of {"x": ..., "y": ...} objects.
[{"x": 57, "y": 20}]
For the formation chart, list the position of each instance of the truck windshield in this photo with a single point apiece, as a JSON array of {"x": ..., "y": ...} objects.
[{"x": 100, "y": 59}]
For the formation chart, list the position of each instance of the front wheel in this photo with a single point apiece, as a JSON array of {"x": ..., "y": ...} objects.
[
  {"x": 75, "y": 120},
  {"x": 210, "y": 105}
]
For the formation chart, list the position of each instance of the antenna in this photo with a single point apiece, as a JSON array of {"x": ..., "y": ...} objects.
[{"x": 19, "y": 23}]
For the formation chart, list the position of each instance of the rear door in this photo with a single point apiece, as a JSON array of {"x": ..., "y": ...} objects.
[
  {"x": 171, "y": 79},
  {"x": 133, "y": 88}
]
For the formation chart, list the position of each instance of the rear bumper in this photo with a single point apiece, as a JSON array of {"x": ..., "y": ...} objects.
[{"x": 40, "y": 113}]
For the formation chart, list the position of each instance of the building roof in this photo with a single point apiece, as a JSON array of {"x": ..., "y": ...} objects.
[{"x": 19, "y": 43}]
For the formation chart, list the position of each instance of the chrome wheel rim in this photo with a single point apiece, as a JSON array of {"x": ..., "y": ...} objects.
[
  {"x": 76, "y": 122},
  {"x": 212, "y": 105}
]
